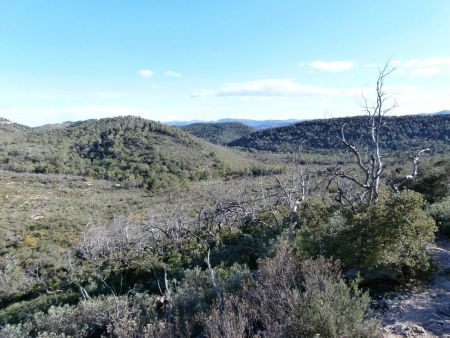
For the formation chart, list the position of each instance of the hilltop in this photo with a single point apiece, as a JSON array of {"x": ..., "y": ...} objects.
[
  {"x": 219, "y": 133},
  {"x": 257, "y": 124}
]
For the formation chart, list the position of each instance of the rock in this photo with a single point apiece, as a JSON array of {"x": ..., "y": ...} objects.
[
  {"x": 406, "y": 329},
  {"x": 402, "y": 329}
]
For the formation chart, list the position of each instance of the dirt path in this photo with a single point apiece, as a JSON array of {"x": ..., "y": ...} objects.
[{"x": 422, "y": 313}]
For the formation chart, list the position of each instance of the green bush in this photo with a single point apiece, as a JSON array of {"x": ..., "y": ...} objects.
[
  {"x": 329, "y": 307},
  {"x": 22, "y": 310},
  {"x": 391, "y": 234},
  {"x": 433, "y": 181},
  {"x": 319, "y": 224},
  {"x": 440, "y": 211},
  {"x": 104, "y": 316}
]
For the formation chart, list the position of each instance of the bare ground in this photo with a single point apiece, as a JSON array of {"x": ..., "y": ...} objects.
[{"x": 424, "y": 313}]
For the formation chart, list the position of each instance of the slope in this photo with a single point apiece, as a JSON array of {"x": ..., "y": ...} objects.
[
  {"x": 219, "y": 133},
  {"x": 134, "y": 150},
  {"x": 399, "y": 134}
]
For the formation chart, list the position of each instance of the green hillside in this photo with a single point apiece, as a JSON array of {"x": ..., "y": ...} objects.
[
  {"x": 219, "y": 133},
  {"x": 399, "y": 134},
  {"x": 133, "y": 150}
]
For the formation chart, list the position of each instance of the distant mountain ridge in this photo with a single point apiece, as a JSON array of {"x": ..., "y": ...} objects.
[
  {"x": 262, "y": 124},
  {"x": 442, "y": 112},
  {"x": 257, "y": 124}
]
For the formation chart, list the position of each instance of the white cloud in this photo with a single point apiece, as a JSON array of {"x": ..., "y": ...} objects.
[
  {"x": 436, "y": 65},
  {"x": 422, "y": 100},
  {"x": 146, "y": 73},
  {"x": 171, "y": 73},
  {"x": 274, "y": 87},
  {"x": 332, "y": 66}
]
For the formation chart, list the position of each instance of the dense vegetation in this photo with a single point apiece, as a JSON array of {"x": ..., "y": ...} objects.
[
  {"x": 404, "y": 133},
  {"x": 139, "y": 152},
  {"x": 225, "y": 256},
  {"x": 219, "y": 133}
]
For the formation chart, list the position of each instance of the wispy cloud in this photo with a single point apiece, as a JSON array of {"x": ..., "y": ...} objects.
[
  {"x": 421, "y": 100},
  {"x": 146, "y": 73},
  {"x": 436, "y": 65},
  {"x": 431, "y": 66},
  {"x": 331, "y": 66},
  {"x": 274, "y": 87},
  {"x": 171, "y": 73}
]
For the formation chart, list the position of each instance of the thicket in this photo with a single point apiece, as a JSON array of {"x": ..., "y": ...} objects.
[
  {"x": 387, "y": 237},
  {"x": 152, "y": 276}
]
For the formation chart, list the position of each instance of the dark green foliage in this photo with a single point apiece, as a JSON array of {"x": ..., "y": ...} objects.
[
  {"x": 252, "y": 240},
  {"x": 133, "y": 150},
  {"x": 399, "y": 134},
  {"x": 390, "y": 235},
  {"x": 320, "y": 224},
  {"x": 393, "y": 234},
  {"x": 330, "y": 307},
  {"x": 440, "y": 211},
  {"x": 219, "y": 133},
  {"x": 432, "y": 181},
  {"x": 21, "y": 311}
]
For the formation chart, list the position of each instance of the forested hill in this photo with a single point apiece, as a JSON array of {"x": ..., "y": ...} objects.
[
  {"x": 7, "y": 126},
  {"x": 219, "y": 133},
  {"x": 399, "y": 134},
  {"x": 129, "y": 149}
]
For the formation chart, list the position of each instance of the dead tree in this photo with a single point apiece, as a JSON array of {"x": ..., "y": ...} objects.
[
  {"x": 415, "y": 162},
  {"x": 216, "y": 289},
  {"x": 396, "y": 184},
  {"x": 371, "y": 163}
]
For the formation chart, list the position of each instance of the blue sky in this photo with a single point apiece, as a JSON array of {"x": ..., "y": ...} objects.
[{"x": 181, "y": 60}]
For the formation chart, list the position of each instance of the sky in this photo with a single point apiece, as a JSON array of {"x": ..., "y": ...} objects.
[{"x": 197, "y": 59}]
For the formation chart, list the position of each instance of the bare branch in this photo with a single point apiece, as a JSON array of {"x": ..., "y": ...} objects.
[
  {"x": 416, "y": 159},
  {"x": 374, "y": 167},
  {"x": 213, "y": 282}
]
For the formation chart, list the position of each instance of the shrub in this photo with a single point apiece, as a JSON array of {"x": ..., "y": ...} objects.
[
  {"x": 11, "y": 331},
  {"x": 111, "y": 316},
  {"x": 288, "y": 299},
  {"x": 440, "y": 211},
  {"x": 433, "y": 181},
  {"x": 391, "y": 234},
  {"x": 328, "y": 306},
  {"x": 319, "y": 225}
]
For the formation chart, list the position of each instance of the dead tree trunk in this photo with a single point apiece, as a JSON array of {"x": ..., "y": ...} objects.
[
  {"x": 213, "y": 282},
  {"x": 370, "y": 163}
]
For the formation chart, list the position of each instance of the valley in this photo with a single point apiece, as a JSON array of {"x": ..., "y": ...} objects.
[{"x": 110, "y": 210}]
